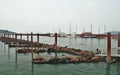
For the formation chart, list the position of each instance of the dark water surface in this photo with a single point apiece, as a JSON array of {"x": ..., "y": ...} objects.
[{"x": 25, "y": 67}]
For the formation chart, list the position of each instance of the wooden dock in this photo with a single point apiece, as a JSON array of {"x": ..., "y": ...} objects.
[{"x": 30, "y": 46}]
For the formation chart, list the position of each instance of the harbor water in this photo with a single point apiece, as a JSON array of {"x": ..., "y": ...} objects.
[{"x": 25, "y": 67}]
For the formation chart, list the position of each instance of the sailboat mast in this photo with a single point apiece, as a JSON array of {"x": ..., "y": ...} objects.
[
  {"x": 70, "y": 29},
  {"x": 76, "y": 29},
  {"x": 76, "y": 32},
  {"x": 84, "y": 30},
  {"x": 104, "y": 29},
  {"x": 99, "y": 30},
  {"x": 91, "y": 28},
  {"x": 59, "y": 31}
]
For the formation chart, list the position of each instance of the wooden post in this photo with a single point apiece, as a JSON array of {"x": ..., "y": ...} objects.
[
  {"x": 28, "y": 40},
  {"x": 109, "y": 47},
  {"x": 38, "y": 42},
  {"x": 119, "y": 43},
  {"x": 8, "y": 45},
  {"x": 12, "y": 35},
  {"x": 8, "y": 38},
  {"x": 4, "y": 40},
  {"x": 21, "y": 36},
  {"x": 16, "y": 47},
  {"x": 32, "y": 45},
  {"x": 55, "y": 45},
  {"x": 4, "y": 35},
  {"x": 20, "y": 39},
  {"x": 119, "y": 40}
]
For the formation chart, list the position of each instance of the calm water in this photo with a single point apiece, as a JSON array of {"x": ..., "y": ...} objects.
[{"x": 25, "y": 67}]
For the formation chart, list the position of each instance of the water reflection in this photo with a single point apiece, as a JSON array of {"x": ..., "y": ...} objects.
[
  {"x": 4, "y": 48},
  {"x": 70, "y": 42},
  {"x": 55, "y": 69},
  {"x": 91, "y": 43},
  {"x": 32, "y": 71},
  {"x": 8, "y": 51},
  {"x": 16, "y": 66},
  {"x": 108, "y": 68},
  {"x": 118, "y": 68},
  {"x": 99, "y": 43},
  {"x": 114, "y": 69}
]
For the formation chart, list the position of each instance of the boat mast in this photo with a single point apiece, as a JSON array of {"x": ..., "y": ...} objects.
[
  {"x": 70, "y": 29},
  {"x": 91, "y": 28},
  {"x": 84, "y": 30},
  {"x": 104, "y": 29},
  {"x": 99, "y": 30},
  {"x": 76, "y": 32},
  {"x": 59, "y": 32}
]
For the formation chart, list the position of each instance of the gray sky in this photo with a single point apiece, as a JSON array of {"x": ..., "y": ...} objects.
[{"x": 49, "y": 15}]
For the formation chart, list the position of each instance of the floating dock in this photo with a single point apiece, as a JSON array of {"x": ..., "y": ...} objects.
[{"x": 29, "y": 46}]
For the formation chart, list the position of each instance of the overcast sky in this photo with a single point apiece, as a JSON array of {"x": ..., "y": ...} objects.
[{"x": 49, "y": 15}]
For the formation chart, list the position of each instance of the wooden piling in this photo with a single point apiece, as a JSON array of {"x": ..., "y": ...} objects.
[
  {"x": 109, "y": 47},
  {"x": 4, "y": 35},
  {"x": 32, "y": 45},
  {"x": 20, "y": 36},
  {"x": 38, "y": 42},
  {"x": 12, "y": 35},
  {"x": 4, "y": 39},
  {"x": 55, "y": 44},
  {"x": 28, "y": 41},
  {"x": 20, "y": 39},
  {"x": 118, "y": 43},
  {"x": 16, "y": 47},
  {"x": 55, "y": 40},
  {"x": 119, "y": 40},
  {"x": 8, "y": 45}
]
